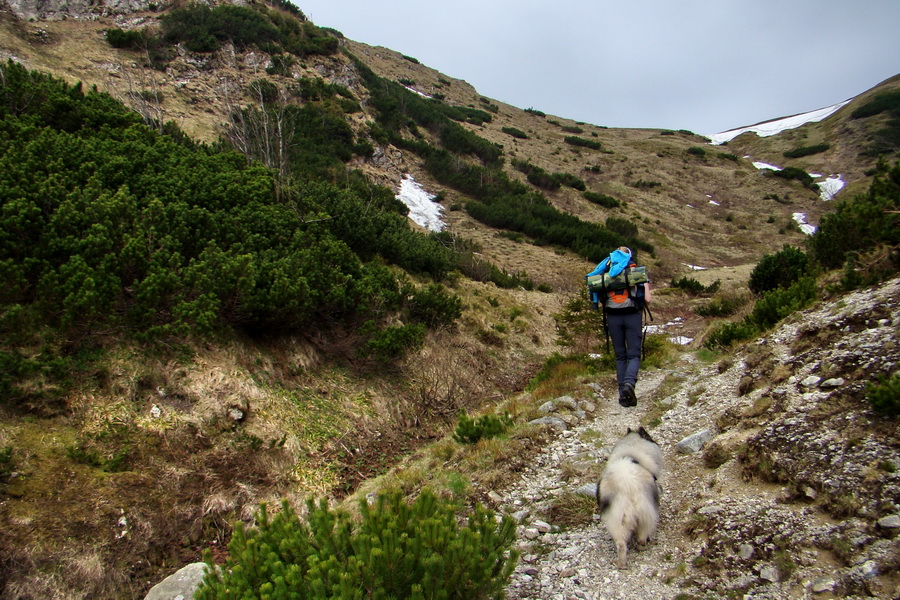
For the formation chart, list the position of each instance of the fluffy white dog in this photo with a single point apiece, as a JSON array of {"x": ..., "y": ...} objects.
[{"x": 628, "y": 492}]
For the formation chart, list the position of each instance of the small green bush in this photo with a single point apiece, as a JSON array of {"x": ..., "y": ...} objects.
[
  {"x": 602, "y": 199},
  {"x": 571, "y": 181},
  {"x": 281, "y": 65},
  {"x": 392, "y": 343},
  {"x": 797, "y": 174},
  {"x": 623, "y": 227},
  {"x": 889, "y": 101},
  {"x": 573, "y": 140},
  {"x": 806, "y": 150},
  {"x": 434, "y": 306},
  {"x": 645, "y": 185},
  {"x": 779, "y": 270},
  {"x": 779, "y": 303},
  {"x": 516, "y": 133},
  {"x": 485, "y": 427},
  {"x": 726, "y": 334},
  {"x": 862, "y": 224},
  {"x": 397, "y": 550},
  {"x": 884, "y": 396},
  {"x": 724, "y": 306},
  {"x": 134, "y": 39},
  {"x": 696, "y": 151},
  {"x": 772, "y": 307},
  {"x": 692, "y": 286}
]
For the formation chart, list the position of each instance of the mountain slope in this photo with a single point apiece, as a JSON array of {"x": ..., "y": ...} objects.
[{"x": 214, "y": 428}]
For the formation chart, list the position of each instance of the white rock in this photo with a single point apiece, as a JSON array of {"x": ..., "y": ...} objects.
[
  {"x": 811, "y": 381},
  {"x": 890, "y": 522},
  {"x": 183, "y": 582},
  {"x": 542, "y": 526},
  {"x": 769, "y": 573},
  {"x": 695, "y": 442},
  {"x": 823, "y": 584}
]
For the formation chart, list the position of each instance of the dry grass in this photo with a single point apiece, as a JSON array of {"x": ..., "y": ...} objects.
[
  {"x": 571, "y": 510},
  {"x": 191, "y": 471}
]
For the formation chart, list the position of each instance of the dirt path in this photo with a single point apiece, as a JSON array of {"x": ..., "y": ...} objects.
[
  {"x": 577, "y": 562},
  {"x": 722, "y": 533}
]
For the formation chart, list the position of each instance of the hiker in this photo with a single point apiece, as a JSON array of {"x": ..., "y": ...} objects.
[{"x": 623, "y": 311}]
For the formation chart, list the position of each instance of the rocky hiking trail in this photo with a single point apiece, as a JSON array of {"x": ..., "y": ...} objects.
[
  {"x": 797, "y": 394},
  {"x": 779, "y": 481}
]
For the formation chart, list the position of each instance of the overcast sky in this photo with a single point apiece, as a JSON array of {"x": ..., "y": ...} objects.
[{"x": 703, "y": 65}]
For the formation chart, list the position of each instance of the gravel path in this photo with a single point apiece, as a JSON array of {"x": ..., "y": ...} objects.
[
  {"x": 764, "y": 541},
  {"x": 578, "y": 561}
]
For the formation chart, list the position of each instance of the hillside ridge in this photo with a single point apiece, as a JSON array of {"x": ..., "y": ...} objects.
[{"x": 154, "y": 450}]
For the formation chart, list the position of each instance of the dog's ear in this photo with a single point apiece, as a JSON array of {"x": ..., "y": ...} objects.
[
  {"x": 643, "y": 433},
  {"x": 629, "y": 431}
]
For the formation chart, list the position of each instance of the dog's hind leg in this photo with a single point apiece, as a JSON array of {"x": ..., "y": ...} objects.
[{"x": 622, "y": 550}]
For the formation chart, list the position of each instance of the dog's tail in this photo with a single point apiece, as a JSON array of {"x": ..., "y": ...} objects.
[
  {"x": 621, "y": 519},
  {"x": 629, "y": 505}
]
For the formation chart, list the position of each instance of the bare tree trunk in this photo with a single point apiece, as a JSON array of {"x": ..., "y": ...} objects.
[{"x": 143, "y": 93}]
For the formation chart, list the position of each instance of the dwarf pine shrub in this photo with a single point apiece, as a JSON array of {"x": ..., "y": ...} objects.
[
  {"x": 779, "y": 270},
  {"x": 797, "y": 174},
  {"x": 515, "y": 132},
  {"x": 396, "y": 550},
  {"x": 884, "y": 396},
  {"x": 469, "y": 430},
  {"x": 806, "y": 150},
  {"x": 689, "y": 285},
  {"x": 772, "y": 307},
  {"x": 722, "y": 306},
  {"x": 581, "y": 142},
  {"x": 601, "y": 199},
  {"x": 862, "y": 224}
]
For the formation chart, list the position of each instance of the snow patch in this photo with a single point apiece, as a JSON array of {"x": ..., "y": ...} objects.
[
  {"x": 827, "y": 189},
  {"x": 830, "y": 187},
  {"x": 694, "y": 267},
  {"x": 804, "y": 226},
  {"x": 415, "y": 91},
  {"x": 767, "y": 128},
  {"x": 423, "y": 210}
]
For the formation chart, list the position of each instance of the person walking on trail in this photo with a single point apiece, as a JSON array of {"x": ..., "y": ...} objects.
[{"x": 623, "y": 311}]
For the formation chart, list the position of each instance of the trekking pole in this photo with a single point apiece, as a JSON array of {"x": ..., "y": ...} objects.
[{"x": 606, "y": 329}]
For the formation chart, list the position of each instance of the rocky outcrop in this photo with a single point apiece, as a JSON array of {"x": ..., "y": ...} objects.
[{"x": 52, "y": 10}]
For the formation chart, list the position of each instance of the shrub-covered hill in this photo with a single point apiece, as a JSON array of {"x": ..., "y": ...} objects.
[
  {"x": 718, "y": 208},
  {"x": 217, "y": 300},
  {"x": 849, "y": 142}
]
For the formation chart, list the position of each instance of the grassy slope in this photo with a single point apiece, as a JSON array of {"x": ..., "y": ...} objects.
[{"x": 193, "y": 471}]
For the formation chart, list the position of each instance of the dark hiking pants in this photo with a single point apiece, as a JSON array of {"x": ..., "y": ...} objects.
[{"x": 625, "y": 333}]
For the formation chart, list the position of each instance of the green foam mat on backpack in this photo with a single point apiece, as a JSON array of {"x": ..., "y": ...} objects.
[{"x": 627, "y": 278}]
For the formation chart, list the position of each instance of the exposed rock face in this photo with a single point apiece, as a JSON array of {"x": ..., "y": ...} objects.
[{"x": 78, "y": 9}]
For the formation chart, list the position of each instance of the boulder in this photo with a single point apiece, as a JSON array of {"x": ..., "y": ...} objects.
[
  {"x": 180, "y": 585},
  {"x": 695, "y": 442}
]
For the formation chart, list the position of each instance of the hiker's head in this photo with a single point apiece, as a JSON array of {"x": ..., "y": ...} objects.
[{"x": 628, "y": 251}]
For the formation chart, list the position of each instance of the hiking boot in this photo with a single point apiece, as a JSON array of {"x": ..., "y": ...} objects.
[{"x": 628, "y": 395}]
